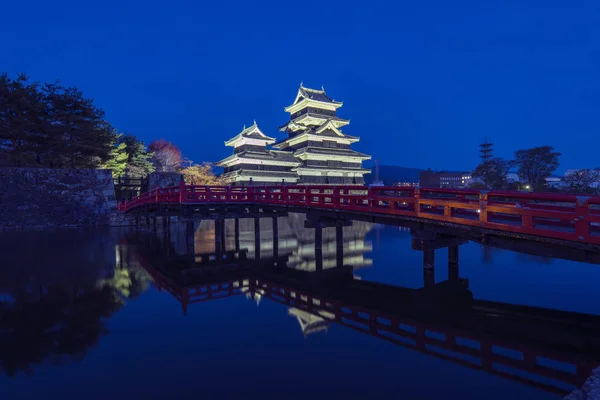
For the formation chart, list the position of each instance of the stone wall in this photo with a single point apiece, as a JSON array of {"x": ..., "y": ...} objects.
[
  {"x": 590, "y": 389},
  {"x": 49, "y": 198},
  {"x": 163, "y": 179}
]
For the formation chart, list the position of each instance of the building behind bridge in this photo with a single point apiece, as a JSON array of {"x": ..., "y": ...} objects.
[
  {"x": 315, "y": 151},
  {"x": 444, "y": 179}
]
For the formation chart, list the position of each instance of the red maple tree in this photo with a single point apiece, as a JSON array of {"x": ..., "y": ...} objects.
[{"x": 167, "y": 156}]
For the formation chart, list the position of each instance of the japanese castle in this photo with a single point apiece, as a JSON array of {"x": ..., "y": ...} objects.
[{"x": 315, "y": 150}]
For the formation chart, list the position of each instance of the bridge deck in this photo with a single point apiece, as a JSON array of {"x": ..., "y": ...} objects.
[{"x": 565, "y": 217}]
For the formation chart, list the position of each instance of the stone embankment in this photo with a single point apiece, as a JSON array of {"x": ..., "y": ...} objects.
[
  {"x": 39, "y": 198},
  {"x": 590, "y": 389}
]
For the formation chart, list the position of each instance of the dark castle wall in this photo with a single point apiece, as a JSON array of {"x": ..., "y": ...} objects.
[{"x": 51, "y": 198}]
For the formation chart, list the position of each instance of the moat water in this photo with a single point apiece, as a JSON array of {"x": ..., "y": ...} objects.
[{"x": 120, "y": 313}]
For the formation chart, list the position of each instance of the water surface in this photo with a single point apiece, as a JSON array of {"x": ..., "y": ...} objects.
[{"x": 119, "y": 313}]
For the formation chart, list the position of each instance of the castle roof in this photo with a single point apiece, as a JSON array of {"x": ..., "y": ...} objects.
[
  {"x": 299, "y": 118},
  {"x": 268, "y": 155},
  {"x": 331, "y": 151},
  {"x": 314, "y": 94},
  {"x": 252, "y": 132}
]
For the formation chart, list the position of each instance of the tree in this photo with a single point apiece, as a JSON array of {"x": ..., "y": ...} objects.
[
  {"x": 117, "y": 161},
  {"x": 78, "y": 127},
  {"x": 493, "y": 172},
  {"x": 536, "y": 164},
  {"x": 583, "y": 180},
  {"x": 478, "y": 186},
  {"x": 139, "y": 160},
  {"x": 51, "y": 126},
  {"x": 167, "y": 156},
  {"x": 21, "y": 116},
  {"x": 201, "y": 174}
]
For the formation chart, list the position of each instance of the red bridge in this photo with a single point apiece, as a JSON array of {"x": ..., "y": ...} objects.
[{"x": 566, "y": 217}]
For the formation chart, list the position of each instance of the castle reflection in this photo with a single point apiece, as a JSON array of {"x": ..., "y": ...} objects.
[
  {"x": 58, "y": 292},
  {"x": 306, "y": 263},
  {"x": 294, "y": 241}
]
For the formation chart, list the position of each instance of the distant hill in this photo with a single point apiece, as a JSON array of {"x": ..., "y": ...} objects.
[{"x": 391, "y": 174}]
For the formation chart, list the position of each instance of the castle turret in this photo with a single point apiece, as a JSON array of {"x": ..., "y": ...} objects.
[
  {"x": 252, "y": 162},
  {"x": 317, "y": 142}
]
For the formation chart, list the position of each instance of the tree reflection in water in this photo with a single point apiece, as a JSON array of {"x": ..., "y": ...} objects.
[{"x": 56, "y": 292}]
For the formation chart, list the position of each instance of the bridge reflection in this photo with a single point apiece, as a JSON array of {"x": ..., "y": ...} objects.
[{"x": 307, "y": 265}]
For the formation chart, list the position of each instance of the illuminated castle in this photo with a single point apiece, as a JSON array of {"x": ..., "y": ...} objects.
[{"x": 315, "y": 151}]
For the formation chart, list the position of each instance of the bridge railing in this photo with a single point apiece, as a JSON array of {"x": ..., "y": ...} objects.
[
  {"x": 556, "y": 215},
  {"x": 492, "y": 353}
]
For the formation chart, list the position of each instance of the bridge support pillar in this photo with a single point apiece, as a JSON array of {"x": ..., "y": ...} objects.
[
  {"x": 318, "y": 238},
  {"x": 147, "y": 221},
  {"x": 121, "y": 258},
  {"x": 257, "y": 238},
  {"x": 453, "y": 263},
  {"x": 223, "y": 235},
  {"x": 218, "y": 240},
  {"x": 166, "y": 243},
  {"x": 236, "y": 228},
  {"x": 154, "y": 222},
  {"x": 275, "y": 238},
  {"x": 168, "y": 234},
  {"x": 339, "y": 246},
  {"x": 189, "y": 239},
  {"x": 428, "y": 267},
  {"x": 164, "y": 224},
  {"x": 486, "y": 355},
  {"x": 319, "y": 248}
]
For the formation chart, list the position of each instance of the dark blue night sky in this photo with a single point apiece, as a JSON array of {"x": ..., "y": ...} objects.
[{"x": 423, "y": 82}]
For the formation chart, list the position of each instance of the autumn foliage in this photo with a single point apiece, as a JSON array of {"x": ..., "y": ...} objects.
[
  {"x": 167, "y": 156},
  {"x": 201, "y": 174}
]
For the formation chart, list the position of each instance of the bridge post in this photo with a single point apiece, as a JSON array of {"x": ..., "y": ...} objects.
[
  {"x": 256, "y": 238},
  {"x": 275, "y": 238},
  {"x": 485, "y": 348},
  {"x": 428, "y": 267},
  {"x": 164, "y": 223},
  {"x": 181, "y": 190},
  {"x": 168, "y": 234},
  {"x": 147, "y": 220},
  {"x": 154, "y": 222},
  {"x": 237, "y": 234},
  {"x": 582, "y": 210},
  {"x": 453, "y": 263},
  {"x": 223, "y": 235},
  {"x": 189, "y": 238},
  {"x": 483, "y": 200},
  {"x": 417, "y": 197},
  {"x": 319, "y": 248},
  {"x": 121, "y": 257},
  {"x": 339, "y": 245},
  {"x": 218, "y": 241}
]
